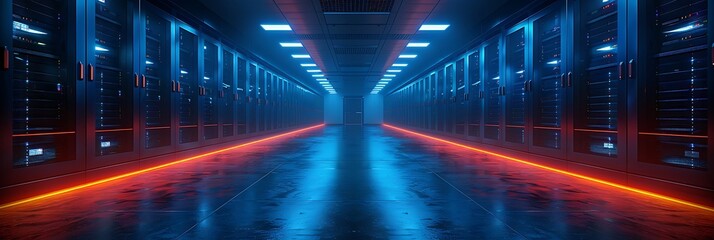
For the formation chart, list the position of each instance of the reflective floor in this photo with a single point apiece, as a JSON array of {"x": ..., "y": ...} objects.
[{"x": 357, "y": 183}]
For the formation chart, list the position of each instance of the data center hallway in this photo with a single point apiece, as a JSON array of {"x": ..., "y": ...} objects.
[{"x": 352, "y": 182}]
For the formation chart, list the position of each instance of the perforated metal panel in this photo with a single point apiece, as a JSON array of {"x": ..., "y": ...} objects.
[{"x": 356, "y": 5}]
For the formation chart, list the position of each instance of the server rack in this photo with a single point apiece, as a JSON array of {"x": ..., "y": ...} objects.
[
  {"x": 493, "y": 90},
  {"x": 598, "y": 84},
  {"x": 41, "y": 66},
  {"x": 550, "y": 65},
  {"x": 434, "y": 111},
  {"x": 674, "y": 91},
  {"x": 156, "y": 101},
  {"x": 187, "y": 87},
  {"x": 208, "y": 90},
  {"x": 241, "y": 97},
  {"x": 460, "y": 113},
  {"x": 449, "y": 98},
  {"x": 113, "y": 83},
  {"x": 475, "y": 101},
  {"x": 228, "y": 93},
  {"x": 516, "y": 87},
  {"x": 260, "y": 103},
  {"x": 252, "y": 98}
]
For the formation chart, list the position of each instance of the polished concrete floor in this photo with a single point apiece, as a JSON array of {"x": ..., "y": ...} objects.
[{"x": 352, "y": 183}]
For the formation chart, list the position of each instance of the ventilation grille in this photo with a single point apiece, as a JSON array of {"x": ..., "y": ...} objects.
[
  {"x": 355, "y": 36},
  {"x": 355, "y": 50},
  {"x": 357, "y": 5}
]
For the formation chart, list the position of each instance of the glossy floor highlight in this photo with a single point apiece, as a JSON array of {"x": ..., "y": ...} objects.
[{"x": 353, "y": 182}]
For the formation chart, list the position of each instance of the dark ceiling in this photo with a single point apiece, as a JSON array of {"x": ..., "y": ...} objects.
[{"x": 354, "y": 41}]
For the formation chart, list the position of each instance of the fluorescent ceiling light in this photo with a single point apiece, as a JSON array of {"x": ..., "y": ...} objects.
[
  {"x": 300, "y": 56},
  {"x": 434, "y": 27},
  {"x": 389, "y": 75},
  {"x": 408, "y": 56},
  {"x": 308, "y": 65},
  {"x": 418, "y": 44},
  {"x": 318, "y": 75},
  {"x": 322, "y": 79},
  {"x": 383, "y": 82},
  {"x": 385, "y": 79},
  {"x": 276, "y": 27},
  {"x": 289, "y": 44},
  {"x": 394, "y": 70},
  {"x": 314, "y": 71},
  {"x": 399, "y": 65}
]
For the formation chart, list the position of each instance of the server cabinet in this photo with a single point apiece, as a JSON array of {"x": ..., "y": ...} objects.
[
  {"x": 187, "y": 87},
  {"x": 434, "y": 103},
  {"x": 449, "y": 99},
  {"x": 155, "y": 61},
  {"x": 208, "y": 91},
  {"x": 493, "y": 90},
  {"x": 227, "y": 94},
  {"x": 475, "y": 99},
  {"x": 252, "y": 98},
  {"x": 599, "y": 84},
  {"x": 548, "y": 87},
  {"x": 260, "y": 97},
  {"x": 113, "y": 83},
  {"x": 516, "y": 89},
  {"x": 461, "y": 110},
  {"x": 43, "y": 76},
  {"x": 671, "y": 138},
  {"x": 270, "y": 102},
  {"x": 280, "y": 102},
  {"x": 441, "y": 101},
  {"x": 241, "y": 97}
]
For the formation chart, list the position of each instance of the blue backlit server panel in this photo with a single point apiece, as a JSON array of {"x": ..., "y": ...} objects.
[
  {"x": 90, "y": 84},
  {"x": 620, "y": 85}
]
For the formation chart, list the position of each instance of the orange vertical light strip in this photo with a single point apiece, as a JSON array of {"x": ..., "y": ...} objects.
[
  {"x": 66, "y": 190},
  {"x": 592, "y": 179}
]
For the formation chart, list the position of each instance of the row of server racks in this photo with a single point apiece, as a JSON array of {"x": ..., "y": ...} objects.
[
  {"x": 622, "y": 85},
  {"x": 90, "y": 84}
]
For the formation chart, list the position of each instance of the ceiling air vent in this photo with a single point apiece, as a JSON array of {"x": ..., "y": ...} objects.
[
  {"x": 356, "y": 6},
  {"x": 355, "y": 50}
]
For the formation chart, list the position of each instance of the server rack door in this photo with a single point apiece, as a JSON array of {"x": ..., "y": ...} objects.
[
  {"x": 475, "y": 101},
  {"x": 441, "y": 101},
  {"x": 516, "y": 81},
  {"x": 157, "y": 135},
  {"x": 674, "y": 92},
  {"x": 280, "y": 103},
  {"x": 252, "y": 98},
  {"x": 450, "y": 99},
  {"x": 113, "y": 83},
  {"x": 188, "y": 88},
  {"x": 493, "y": 90},
  {"x": 241, "y": 97},
  {"x": 599, "y": 84},
  {"x": 208, "y": 91},
  {"x": 260, "y": 96},
  {"x": 434, "y": 106},
  {"x": 227, "y": 94},
  {"x": 548, "y": 86},
  {"x": 270, "y": 102},
  {"x": 461, "y": 110},
  {"x": 43, "y": 73}
]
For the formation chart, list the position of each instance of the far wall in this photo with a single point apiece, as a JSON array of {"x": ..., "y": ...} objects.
[{"x": 373, "y": 109}]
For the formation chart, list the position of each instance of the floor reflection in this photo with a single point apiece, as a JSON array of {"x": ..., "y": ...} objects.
[{"x": 352, "y": 182}]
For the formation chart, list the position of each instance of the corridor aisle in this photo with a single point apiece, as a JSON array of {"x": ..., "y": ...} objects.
[{"x": 352, "y": 182}]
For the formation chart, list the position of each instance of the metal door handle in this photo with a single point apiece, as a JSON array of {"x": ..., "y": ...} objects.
[
  {"x": 629, "y": 67},
  {"x": 91, "y": 72},
  {"x": 136, "y": 80},
  {"x": 173, "y": 85},
  {"x": 5, "y": 59},
  {"x": 562, "y": 80},
  {"x": 143, "y": 80},
  {"x": 178, "y": 86},
  {"x": 81, "y": 70},
  {"x": 619, "y": 70},
  {"x": 570, "y": 79}
]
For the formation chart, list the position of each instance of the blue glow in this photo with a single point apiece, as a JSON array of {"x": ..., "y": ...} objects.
[
  {"x": 300, "y": 56},
  {"x": 389, "y": 75},
  {"x": 100, "y": 49},
  {"x": 276, "y": 27},
  {"x": 399, "y": 65},
  {"x": 308, "y": 65},
  {"x": 394, "y": 70},
  {"x": 318, "y": 75},
  {"x": 386, "y": 79},
  {"x": 520, "y": 72},
  {"x": 408, "y": 56},
  {"x": 685, "y": 28},
  {"x": 149, "y": 62},
  {"x": 554, "y": 62},
  {"x": 314, "y": 71},
  {"x": 497, "y": 78},
  {"x": 26, "y": 28},
  {"x": 606, "y": 48},
  {"x": 183, "y": 72}
]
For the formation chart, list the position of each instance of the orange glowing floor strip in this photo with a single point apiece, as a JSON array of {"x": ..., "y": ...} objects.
[
  {"x": 611, "y": 184},
  {"x": 66, "y": 190}
]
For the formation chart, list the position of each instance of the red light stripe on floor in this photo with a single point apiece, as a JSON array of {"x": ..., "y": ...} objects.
[
  {"x": 552, "y": 169},
  {"x": 66, "y": 190}
]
